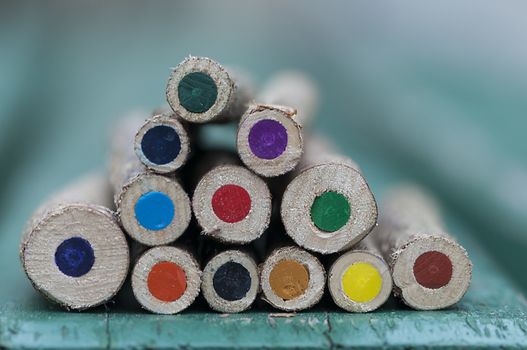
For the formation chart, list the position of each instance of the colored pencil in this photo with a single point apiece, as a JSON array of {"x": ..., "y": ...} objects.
[
  {"x": 292, "y": 279},
  {"x": 360, "y": 279},
  {"x": 269, "y": 139},
  {"x": 430, "y": 269},
  {"x": 200, "y": 90},
  {"x": 230, "y": 203},
  {"x": 162, "y": 143},
  {"x": 328, "y": 206},
  {"x": 73, "y": 250},
  {"x": 230, "y": 281},
  {"x": 166, "y": 279}
]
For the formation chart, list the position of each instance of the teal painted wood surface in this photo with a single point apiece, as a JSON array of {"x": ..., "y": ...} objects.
[{"x": 401, "y": 94}]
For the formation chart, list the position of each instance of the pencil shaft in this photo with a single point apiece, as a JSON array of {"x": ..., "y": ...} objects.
[
  {"x": 359, "y": 280},
  {"x": 430, "y": 269},
  {"x": 292, "y": 279},
  {"x": 230, "y": 203},
  {"x": 269, "y": 139},
  {"x": 73, "y": 250},
  {"x": 293, "y": 89},
  {"x": 200, "y": 90},
  {"x": 163, "y": 143},
  {"x": 166, "y": 279},
  {"x": 327, "y": 206},
  {"x": 230, "y": 281}
]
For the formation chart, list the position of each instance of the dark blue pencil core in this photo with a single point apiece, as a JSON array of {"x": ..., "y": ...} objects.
[
  {"x": 231, "y": 281},
  {"x": 161, "y": 144},
  {"x": 74, "y": 257}
]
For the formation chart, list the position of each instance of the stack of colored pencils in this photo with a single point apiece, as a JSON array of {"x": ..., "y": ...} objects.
[{"x": 280, "y": 217}]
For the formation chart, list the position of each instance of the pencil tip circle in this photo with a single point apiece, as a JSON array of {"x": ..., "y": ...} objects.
[
  {"x": 361, "y": 282},
  {"x": 197, "y": 92},
  {"x": 289, "y": 279},
  {"x": 330, "y": 211},
  {"x": 167, "y": 281},
  {"x": 231, "y": 203},
  {"x": 154, "y": 211},
  {"x": 231, "y": 281},
  {"x": 161, "y": 144},
  {"x": 267, "y": 139},
  {"x": 433, "y": 269},
  {"x": 74, "y": 257}
]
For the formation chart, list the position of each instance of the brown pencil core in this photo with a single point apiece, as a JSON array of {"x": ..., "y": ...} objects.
[
  {"x": 433, "y": 270},
  {"x": 289, "y": 279}
]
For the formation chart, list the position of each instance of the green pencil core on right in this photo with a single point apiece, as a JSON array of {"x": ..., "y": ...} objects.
[
  {"x": 330, "y": 211},
  {"x": 197, "y": 92}
]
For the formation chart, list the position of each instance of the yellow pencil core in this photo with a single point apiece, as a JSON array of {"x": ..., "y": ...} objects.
[{"x": 361, "y": 282}]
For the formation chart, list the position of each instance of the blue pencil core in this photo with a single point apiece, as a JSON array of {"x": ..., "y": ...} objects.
[
  {"x": 161, "y": 144},
  {"x": 74, "y": 257},
  {"x": 154, "y": 211}
]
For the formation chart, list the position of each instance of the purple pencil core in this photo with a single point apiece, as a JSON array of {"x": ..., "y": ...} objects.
[{"x": 268, "y": 139}]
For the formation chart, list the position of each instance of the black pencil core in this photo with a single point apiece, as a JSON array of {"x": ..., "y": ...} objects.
[{"x": 231, "y": 281}]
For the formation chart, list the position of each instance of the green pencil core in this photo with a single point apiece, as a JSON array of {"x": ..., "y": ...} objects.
[
  {"x": 197, "y": 92},
  {"x": 330, "y": 211}
]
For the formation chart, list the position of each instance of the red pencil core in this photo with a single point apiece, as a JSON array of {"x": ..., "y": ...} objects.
[{"x": 231, "y": 203}]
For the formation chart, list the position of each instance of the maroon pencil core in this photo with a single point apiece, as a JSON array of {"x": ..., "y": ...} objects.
[{"x": 433, "y": 270}]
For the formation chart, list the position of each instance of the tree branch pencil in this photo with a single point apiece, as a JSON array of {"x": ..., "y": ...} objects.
[
  {"x": 73, "y": 250},
  {"x": 430, "y": 270},
  {"x": 360, "y": 280},
  {"x": 292, "y": 279},
  {"x": 230, "y": 281},
  {"x": 162, "y": 143},
  {"x": 231, "y": 204},
  {"x": 269, "y": 139},
  {"x": 166, "y": 279},
  {"x": 328, "y": 206},
  {"x": 200, "y": 90}
]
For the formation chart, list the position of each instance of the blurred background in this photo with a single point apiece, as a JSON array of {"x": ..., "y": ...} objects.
[{"x": 433, "y": 92}]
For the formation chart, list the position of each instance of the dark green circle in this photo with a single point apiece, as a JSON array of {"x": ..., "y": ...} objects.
[
  {"x": 197, "y": 92},
  {"x": 330, "y": 211}
]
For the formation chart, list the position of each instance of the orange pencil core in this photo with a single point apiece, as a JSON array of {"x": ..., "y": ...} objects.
[{"x": 167, "y": 281}]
